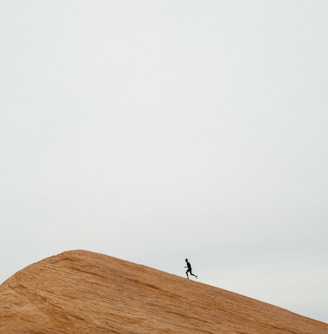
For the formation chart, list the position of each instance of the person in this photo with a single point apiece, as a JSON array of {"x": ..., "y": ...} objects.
[{"x": 189, "y": 270}]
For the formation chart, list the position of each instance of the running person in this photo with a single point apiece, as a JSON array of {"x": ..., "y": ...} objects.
[{"x": 189, "y": 270}]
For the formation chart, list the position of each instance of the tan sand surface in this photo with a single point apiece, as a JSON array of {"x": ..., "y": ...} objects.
[{"x": 89, "y": 293}]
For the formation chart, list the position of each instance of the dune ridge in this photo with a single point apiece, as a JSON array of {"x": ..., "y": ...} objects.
[{"x": 85, "y": 292}]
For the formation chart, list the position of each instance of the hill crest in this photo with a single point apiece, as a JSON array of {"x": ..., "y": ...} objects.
[{"x": 84, "y": 292}]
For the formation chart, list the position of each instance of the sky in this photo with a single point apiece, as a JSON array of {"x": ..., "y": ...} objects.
[{"x": 153, "y": 131}]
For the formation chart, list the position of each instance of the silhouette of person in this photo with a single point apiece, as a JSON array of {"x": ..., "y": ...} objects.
[{"x": 189, "y": 270}]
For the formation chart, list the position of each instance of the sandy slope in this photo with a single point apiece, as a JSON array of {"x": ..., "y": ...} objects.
[{"x": 84, "y": 292}]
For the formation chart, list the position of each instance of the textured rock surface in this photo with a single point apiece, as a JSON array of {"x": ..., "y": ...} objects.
[{"x": 84, "y": 292}]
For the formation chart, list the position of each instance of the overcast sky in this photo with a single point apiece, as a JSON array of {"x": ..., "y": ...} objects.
[{"x": 157, "y": 130}]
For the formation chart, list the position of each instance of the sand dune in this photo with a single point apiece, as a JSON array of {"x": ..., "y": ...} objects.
[{"x": 84, "y": 292}]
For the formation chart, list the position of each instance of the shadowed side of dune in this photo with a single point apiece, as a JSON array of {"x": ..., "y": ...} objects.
[{"x": 85, "y": 292}]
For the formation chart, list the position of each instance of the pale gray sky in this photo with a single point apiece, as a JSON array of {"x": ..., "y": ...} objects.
[{"x": 158, "y": 130}]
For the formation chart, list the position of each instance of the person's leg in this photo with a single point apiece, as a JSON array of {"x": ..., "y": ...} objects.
[{"x": 193, "y": 274}]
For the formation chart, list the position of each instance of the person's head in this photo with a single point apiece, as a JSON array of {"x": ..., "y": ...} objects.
[{"x": 186, "y": 260}]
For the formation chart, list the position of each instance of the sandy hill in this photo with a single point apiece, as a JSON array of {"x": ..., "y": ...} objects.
[{"x": 84, "y": 292}]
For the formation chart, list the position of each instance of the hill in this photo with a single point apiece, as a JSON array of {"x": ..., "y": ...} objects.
[{"x": 83, "y": 292}]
